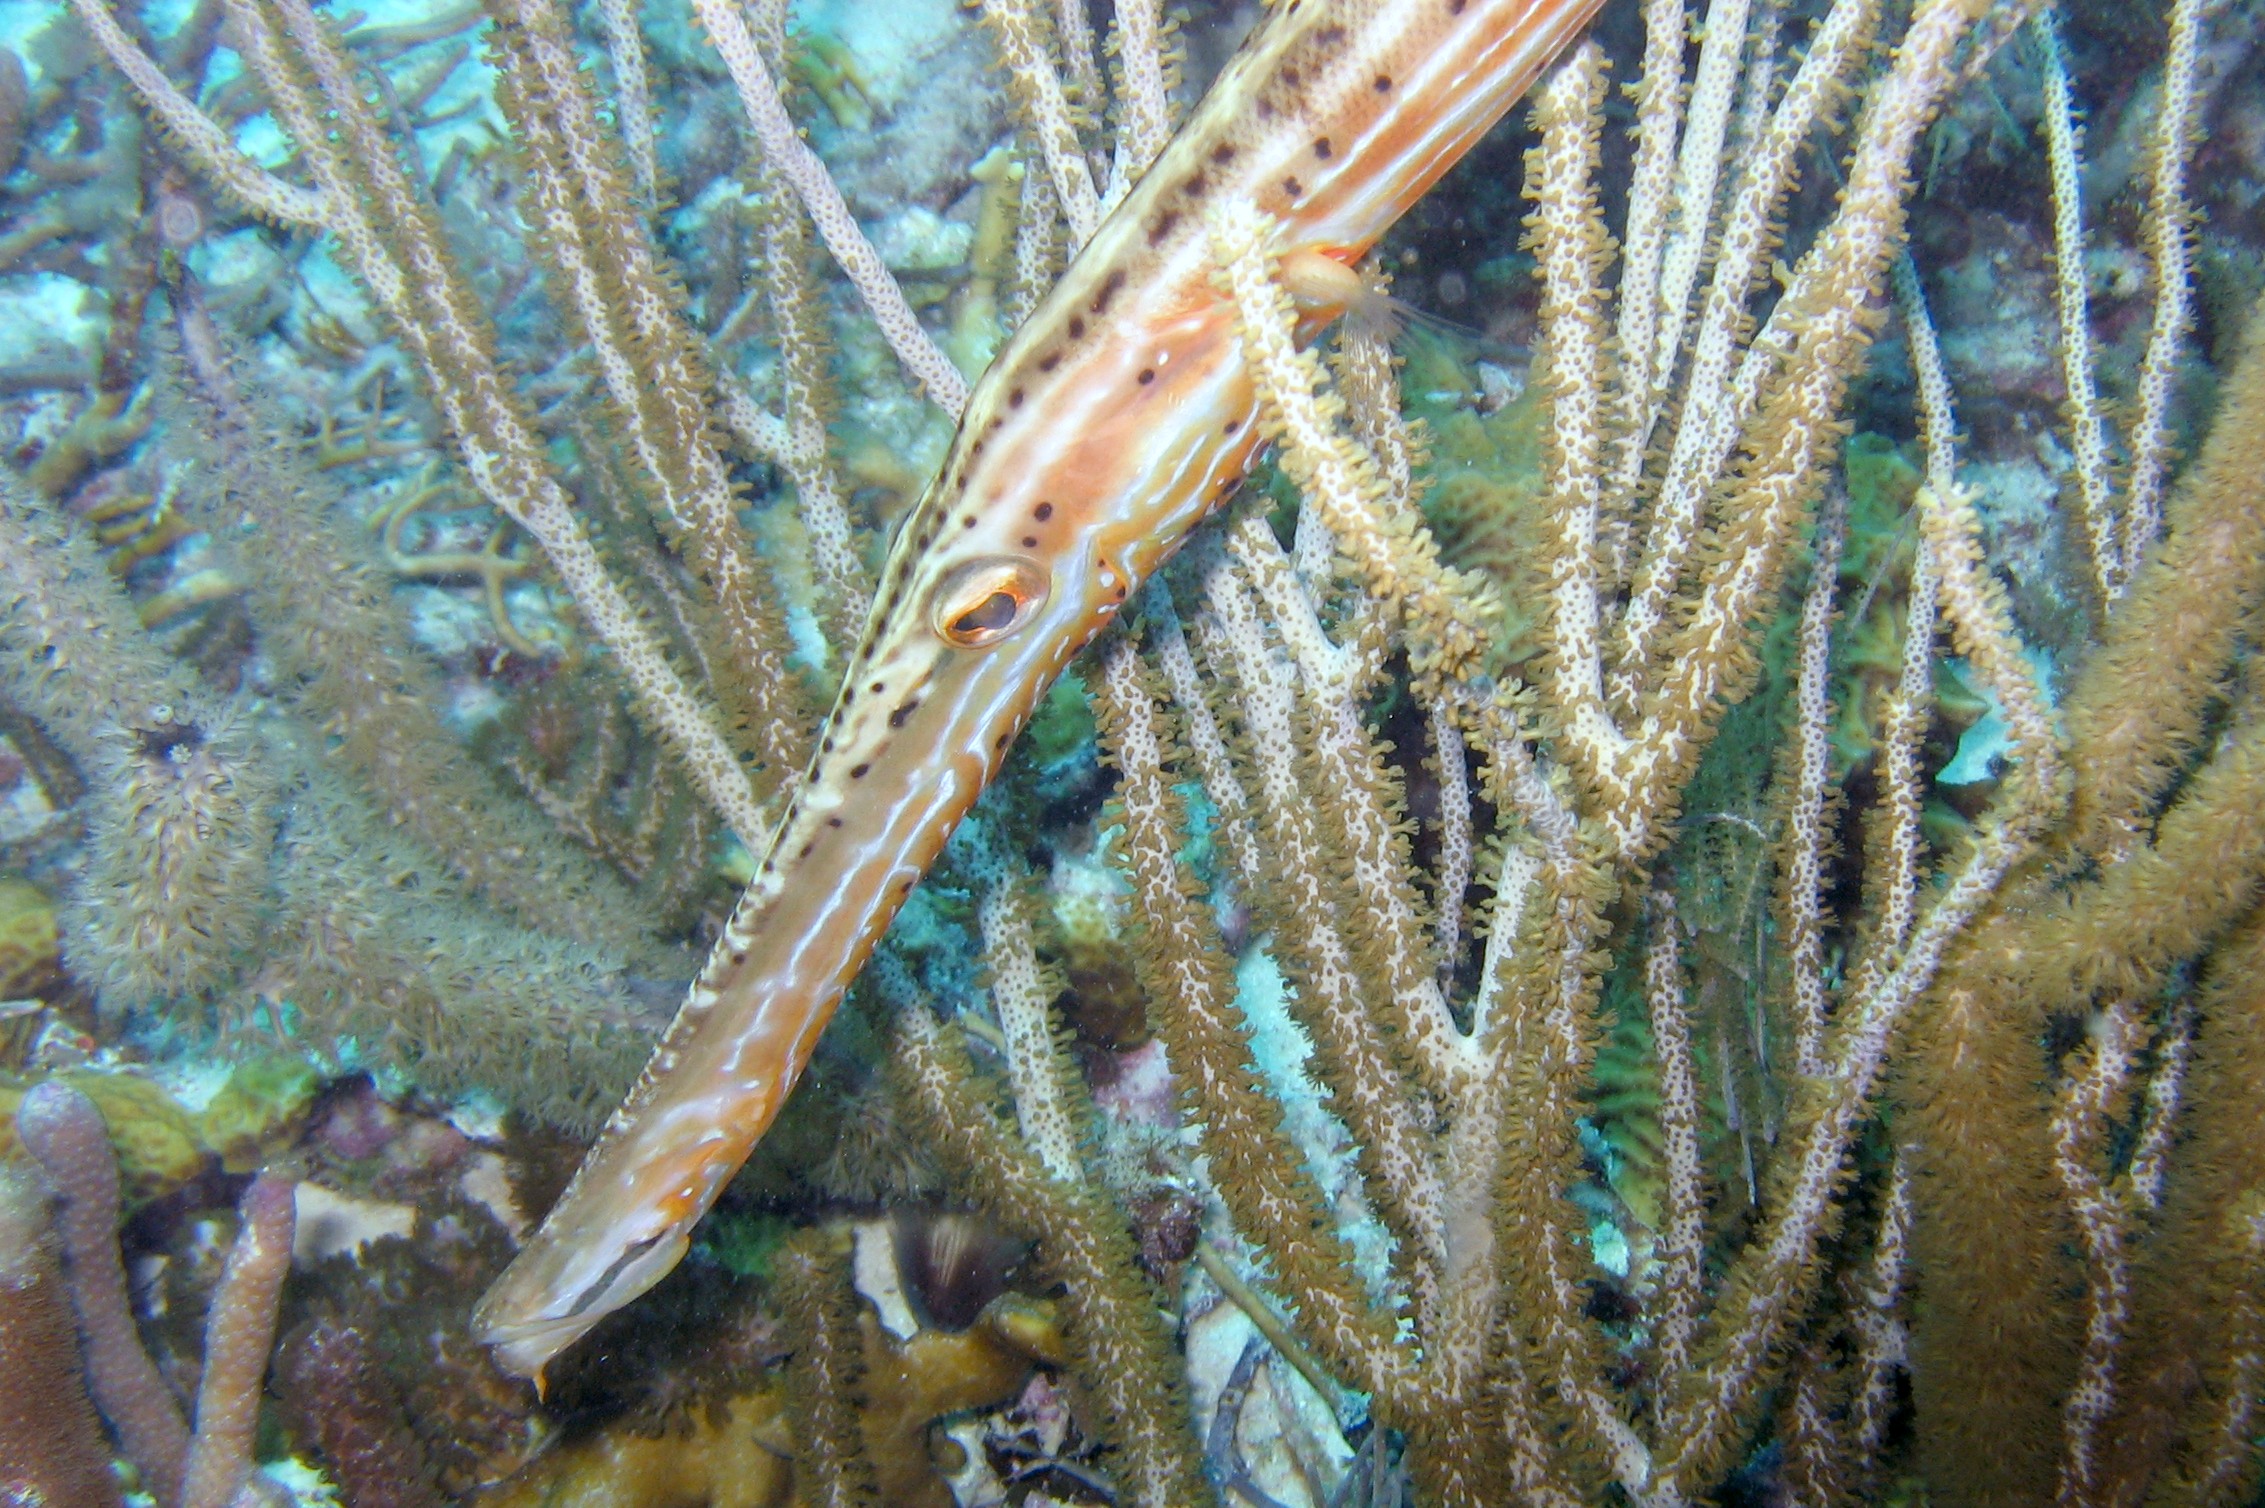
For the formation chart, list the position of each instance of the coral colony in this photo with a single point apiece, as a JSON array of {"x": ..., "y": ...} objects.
[{"x": 1568, "y": 811}]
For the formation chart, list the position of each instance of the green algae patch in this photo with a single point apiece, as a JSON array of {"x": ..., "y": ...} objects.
[{"x": 259, "y": 1110}]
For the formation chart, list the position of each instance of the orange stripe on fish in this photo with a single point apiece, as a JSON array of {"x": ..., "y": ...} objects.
[{"x": 1110, "y": 425}]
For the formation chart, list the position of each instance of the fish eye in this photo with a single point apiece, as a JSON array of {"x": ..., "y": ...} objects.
[{"x": 982, "y": 601}]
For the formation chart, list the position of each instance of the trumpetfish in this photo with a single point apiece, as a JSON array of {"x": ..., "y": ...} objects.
[{"x": 1114, "y": 420}]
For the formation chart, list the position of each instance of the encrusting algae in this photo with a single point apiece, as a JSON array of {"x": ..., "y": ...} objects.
[
  {"x": 28, "y": 952},
  {"x": 1661, "y": 906}
]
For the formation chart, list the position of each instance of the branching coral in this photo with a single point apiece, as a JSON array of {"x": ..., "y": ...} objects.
[
  {"x": 1971, "y": 1106},
  {"x": 1661, "y": 573},
  {"x": 212, "y": 1467},
  {"x": 183, "y": 814},
  {"x": 50, "y": 1438},
  {"x": 180, "y": 903}
]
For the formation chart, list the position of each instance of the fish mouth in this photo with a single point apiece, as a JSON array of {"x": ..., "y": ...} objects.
[
  {"x": 525, "y": 1347},
  {"x": 525, "y": 1344}
]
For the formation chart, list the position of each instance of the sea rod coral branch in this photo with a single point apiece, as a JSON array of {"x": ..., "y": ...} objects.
[
  {"x": 52, "y": 1448},
  {"x": 394, "y": 241},
  {"x": 1625, "y": 1177},
  {"x": 182, "y": 811},
  {"x": 237, "y": 1338},
  {"x": 65, "y": 1134},
  {"x": 209, "y": 1469}
]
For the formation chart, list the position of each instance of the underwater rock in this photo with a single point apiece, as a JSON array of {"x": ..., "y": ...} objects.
[
  {"x": 334, "y": 1224},
  {"x": 259, "y": 1110},
  {"x": 1270, "y": 1429},
  {"x": 910, "y": 1384},
  {"x": 334, "y": 1395},
  {"x": 733, "y": 1455}
]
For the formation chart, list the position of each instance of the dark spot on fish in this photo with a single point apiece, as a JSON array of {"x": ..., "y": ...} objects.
[
  {"x": 1042, "y": 512},
  {"x": 876, "y": 686},
  {"x": 974, "y": 449},
  {"x": 740, "y": 957},
  {"x": 1196, "y": 186},
  {"x": 1328, "y": 37},
  {"x": 1233, "y": 425},
  {"x": 968, "y": 522},
  {"x": 833, "y": 821},
  {"x": 1030, "y": 541},
  {"x": 1383, "y": 83},
  {"x": 827, "y": 747},
  {"x": 1292, "y": 187},
  {"x": 898, "y": 718},
  {"x": 1049, "y": 361},
  {"x": 1077, "y": 328},
  {"x": 1223, "y": 153},
  {"x": 1120, "y": 591},
  {"x": 1455, "y": 7},
  {"x": 1265, "y": 107},
  {"x": 1147, "y": 375},
  {"x": 804, "y": 852},
  {"x": 1321, "y": 147},
  {"x": 1001, "y": 741},
  {"x": 1109, "y": 287},
  {"x": 857, "y": 771},
  {"x": 1014, "y": 399},
  {"x": 849, "y": 694},
  {"x": 1292, "y": 77},
  {"x": 1163, "y": 227}
]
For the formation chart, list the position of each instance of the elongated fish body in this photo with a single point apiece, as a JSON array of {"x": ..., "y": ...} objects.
[{"x": 1108, "y": 427}]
